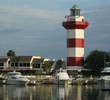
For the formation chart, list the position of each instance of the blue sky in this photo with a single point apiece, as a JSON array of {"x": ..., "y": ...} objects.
[{"x": 34, "y": 27}]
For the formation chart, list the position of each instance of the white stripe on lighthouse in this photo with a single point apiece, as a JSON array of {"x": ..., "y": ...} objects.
[
  {"x": 75, "y": 33},
  {"x": 75, "y": 52}
]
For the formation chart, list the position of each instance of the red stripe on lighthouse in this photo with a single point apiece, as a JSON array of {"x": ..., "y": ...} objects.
[
  {"x": 75, "y": 25},
  {"x": 75, "y": 61},
  {"x": 75, "y": 43}
]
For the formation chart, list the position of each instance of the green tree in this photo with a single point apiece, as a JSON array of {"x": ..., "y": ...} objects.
[
  {"x": 11, "y": 53},
  {"x": 95, "y": 61},
  {"x": 47, "y": 66}
]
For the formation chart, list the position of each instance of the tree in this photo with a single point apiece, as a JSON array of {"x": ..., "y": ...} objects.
[
  {"x": 11, "y": 53},
  {"x": 47, "y": 66},
  {"x": 95, "y": 61}
]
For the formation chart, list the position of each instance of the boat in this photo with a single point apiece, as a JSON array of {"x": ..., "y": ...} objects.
[
  {"x": 104, "y": 80},
  {"x": 90, "y": 80},
  {"x": 62, "y": 78},
  {"x": 32, "y": 82},
  {"x": 2, "y": 79},
  {"x": 15, "y": 78},
  {"x": 48, "y": 80},
  {"x": 79, "y": 79}
]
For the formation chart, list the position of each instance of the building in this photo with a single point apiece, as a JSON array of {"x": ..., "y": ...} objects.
[
  {"x": 30, "y": 63},
  {"x": 4, "y": 62},
  {"x": 22, "y": 62}
]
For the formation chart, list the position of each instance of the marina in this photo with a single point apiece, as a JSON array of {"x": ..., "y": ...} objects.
[
  {"x": 60, "y": 78},
  {"x": 44, "y": 87}
]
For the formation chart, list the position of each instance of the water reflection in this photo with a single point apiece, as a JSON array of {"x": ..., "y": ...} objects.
[
  {"x": 104, "y": 95},
  {"x": 90, "y": 92},
  {"x": 52, "y": 92}
]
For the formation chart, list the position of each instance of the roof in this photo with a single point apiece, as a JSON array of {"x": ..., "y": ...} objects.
[
  {"x": 21, "y": 59},
  {"x": 75, "y": 7},
  {"x": 63, "y": 75},
  {"x": 36, "y": 60},
  {"x": 3, "y": 59}
]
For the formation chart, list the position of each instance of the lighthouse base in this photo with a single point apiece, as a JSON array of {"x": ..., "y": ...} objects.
[{"x": 74, "y": 67}]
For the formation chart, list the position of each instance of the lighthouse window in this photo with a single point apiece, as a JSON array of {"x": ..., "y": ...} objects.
[
  {"x": 72, "y": 13},
  {"x": 77, "y": 12},
  {"x": 82, "y": 20},
  {"x": 72, "y": 19}
]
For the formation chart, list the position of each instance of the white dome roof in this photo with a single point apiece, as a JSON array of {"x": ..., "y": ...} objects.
[{"x": 63, "y": 75}]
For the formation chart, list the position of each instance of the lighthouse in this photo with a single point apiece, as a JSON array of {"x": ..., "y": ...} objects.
[{"x": 75, "y": 26}]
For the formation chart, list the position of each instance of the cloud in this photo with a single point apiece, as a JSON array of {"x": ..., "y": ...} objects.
[
  {"x": 31, "y": 12},
  {"x": 97, "y": 34},
  {"x": 29, "y": 19},
  {"x": 31, "y": 31}
]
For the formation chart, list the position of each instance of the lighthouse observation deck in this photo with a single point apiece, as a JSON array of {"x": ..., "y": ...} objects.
[{"x": 75, "y": 25}]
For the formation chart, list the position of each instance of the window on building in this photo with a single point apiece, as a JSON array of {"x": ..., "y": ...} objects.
[
  {"x": 20, "y": 64},
  {"x": 12, "y": 64},
  {"x": 36, "y": 65},
  {"x": 24, "y": 64},
  {"x": 1, "y": 64},
  {"x": 28, "y": 64},
  {"x": 16, "y": 64}
]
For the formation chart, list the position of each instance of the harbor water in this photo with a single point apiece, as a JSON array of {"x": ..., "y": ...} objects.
[{"x": 53, "y": 92}]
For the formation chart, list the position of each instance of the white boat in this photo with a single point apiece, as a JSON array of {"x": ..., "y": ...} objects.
[
  {"x": 62, "y": 78},
  {"x": 104, "y": 80},
  {"x": 78, "y": 81},
  {"x": 32, "y": 82},
  {"x": 16, "y": 78},
  {"x": 2, "y": 80}
]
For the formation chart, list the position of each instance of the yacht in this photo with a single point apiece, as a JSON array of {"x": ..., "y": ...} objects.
[
  {"x": 16, "y": 78},
  {"x": 104, "y": 80}
]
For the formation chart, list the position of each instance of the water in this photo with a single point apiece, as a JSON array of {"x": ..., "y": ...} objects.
[{"x": 53, "y": 92}]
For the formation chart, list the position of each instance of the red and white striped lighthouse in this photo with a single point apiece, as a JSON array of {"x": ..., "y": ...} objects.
[{"x": 75, "y": 26}]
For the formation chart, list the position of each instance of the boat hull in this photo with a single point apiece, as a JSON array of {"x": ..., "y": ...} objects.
[
  {"x": 32, "y": 82},
  {"x": 78, "y": 82},
  {"x": 16, "y": 82},
  {"x": 104, "y": 84},
  {"x": 63, "y": 82}
]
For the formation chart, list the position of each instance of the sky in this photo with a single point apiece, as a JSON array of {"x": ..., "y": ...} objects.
[{"x": 34, "y": 27}]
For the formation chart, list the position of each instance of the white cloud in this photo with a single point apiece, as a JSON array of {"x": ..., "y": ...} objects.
[
  {"x": 29, "y": 18},
  {"x": 32, "y": 12},
  {"x": 98, "y": 33}
]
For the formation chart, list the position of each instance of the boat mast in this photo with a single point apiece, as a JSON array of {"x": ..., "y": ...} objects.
[{"x": 104, "y": 61}]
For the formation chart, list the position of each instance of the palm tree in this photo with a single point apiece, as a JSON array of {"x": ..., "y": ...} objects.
[{"x": 11, "y": 53}]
